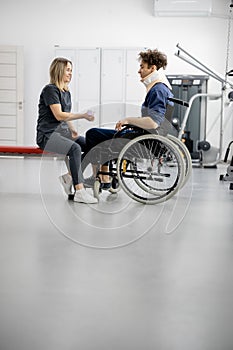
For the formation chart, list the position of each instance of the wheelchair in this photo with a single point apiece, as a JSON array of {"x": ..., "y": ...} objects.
[{"x": 150, "y": 166}]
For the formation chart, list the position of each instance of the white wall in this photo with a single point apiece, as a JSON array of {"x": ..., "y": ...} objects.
[{"x": 39, "y": 25}]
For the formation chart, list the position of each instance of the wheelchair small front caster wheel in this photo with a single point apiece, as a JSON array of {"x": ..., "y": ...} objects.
[
  {"x": 96, "y": 189},
  {"x": 115, "y": 186}
]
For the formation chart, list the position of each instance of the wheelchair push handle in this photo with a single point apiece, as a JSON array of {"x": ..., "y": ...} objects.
[
  {"x": 230, "y": 73},
  {"x": 178, "y": 101}
]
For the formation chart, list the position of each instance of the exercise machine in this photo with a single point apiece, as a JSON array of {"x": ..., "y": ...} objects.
[
  {"x": 229, "y": 174},
  {"x": 184, "y": 87},
  {"x": 209, "y": 156}
]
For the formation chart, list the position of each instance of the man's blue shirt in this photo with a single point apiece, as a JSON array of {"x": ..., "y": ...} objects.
[{"x": 156, "y": 101}]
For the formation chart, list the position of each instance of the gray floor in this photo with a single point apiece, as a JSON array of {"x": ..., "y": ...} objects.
[{"x": 117, "y": 275}]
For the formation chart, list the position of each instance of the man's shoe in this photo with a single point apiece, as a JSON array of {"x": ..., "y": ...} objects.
[
  {"x": 82, "y": 196},
  {"x": 67, "y": 183},
  {"x": 105, "y": 186}
]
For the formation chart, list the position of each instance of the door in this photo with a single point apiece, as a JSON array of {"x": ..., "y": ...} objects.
[{"x": 11, "y": 95}]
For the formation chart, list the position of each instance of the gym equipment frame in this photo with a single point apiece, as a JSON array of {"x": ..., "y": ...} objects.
[{"x": 204, "y": 145}]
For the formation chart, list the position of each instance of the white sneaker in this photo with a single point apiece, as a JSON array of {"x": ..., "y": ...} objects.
[
  {"x": 82, "y": 196},
  {"x": 66, "y": 181}
]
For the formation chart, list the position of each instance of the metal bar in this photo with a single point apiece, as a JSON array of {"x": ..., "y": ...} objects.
[
  {"x": 186, "y": 115},
  {"x": 201, "y": 66},
  {"x": 207, "y": 71},
  {"x": 221, "y": 123},
  {"x": 205, "y": 67}
]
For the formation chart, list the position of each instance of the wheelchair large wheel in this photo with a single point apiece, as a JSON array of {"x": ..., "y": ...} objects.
[
  {"x": 186, "y": 156},
  {"x": 150, "y": 169},
  {"x": 168, "y": 164}
]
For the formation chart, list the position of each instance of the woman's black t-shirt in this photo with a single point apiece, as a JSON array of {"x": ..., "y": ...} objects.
[{"x": 46, "y": 122}]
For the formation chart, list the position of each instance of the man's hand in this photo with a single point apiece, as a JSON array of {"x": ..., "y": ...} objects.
[{"x": 120, "y": 123}]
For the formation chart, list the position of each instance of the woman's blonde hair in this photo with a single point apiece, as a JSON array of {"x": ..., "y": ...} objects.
[{"x": 57, "y": 70}]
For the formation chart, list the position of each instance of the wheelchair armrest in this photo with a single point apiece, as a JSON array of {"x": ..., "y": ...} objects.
[
  {"x": 131, "y": 126},
  {"x": 136, "y": 128}
]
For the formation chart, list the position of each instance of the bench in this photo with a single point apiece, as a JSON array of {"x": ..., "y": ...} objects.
[{"x": 15, "y": 150}]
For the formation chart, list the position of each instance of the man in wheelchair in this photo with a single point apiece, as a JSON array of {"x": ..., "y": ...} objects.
[{"x": 153, "y": 110}]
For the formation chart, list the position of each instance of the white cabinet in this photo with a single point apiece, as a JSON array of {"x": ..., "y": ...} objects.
[
  {"x": 85, "y": 83},
  {"x": 112, "y": 85},
  {"x": 87, "y": 67},
  {"x": 134, "y": 89},
  {"x": 112, "y": 75},
  {"x": 105, "y": 80}
]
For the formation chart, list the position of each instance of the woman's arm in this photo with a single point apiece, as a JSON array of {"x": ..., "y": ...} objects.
[
  {"x": 73, "y": 130},
  {"x": 66, "y": 116}
]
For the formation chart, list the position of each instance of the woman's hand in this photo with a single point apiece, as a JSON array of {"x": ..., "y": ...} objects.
[
  {"x": 74, "y": 133},
  {"x": 73, "y": 130},
  {"x": 89, "y": 115}
]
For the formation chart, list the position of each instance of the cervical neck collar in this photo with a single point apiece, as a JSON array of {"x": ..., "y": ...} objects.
[{"x": 158, "y": 76}]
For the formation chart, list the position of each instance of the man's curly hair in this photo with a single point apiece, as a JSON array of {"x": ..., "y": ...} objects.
[{"x": 153, "y": 57}]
